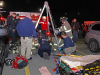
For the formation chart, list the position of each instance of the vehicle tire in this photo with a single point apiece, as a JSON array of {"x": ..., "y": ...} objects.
[
  {"x": 2, "y": 49},
  {"x": 0, "y": 70},
  {"x": 93, "y": 45}
]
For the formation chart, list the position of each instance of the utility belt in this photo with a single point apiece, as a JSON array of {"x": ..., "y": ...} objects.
[
  {"x": 45, "y": 44},
  {"x": 27, "y": 37},
  {"x": 9, "y": 27}
]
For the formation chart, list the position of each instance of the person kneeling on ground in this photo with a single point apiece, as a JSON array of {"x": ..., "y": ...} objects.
[
  {"x": 44, "y": 48},
  {"x": 69, "y": 46}
]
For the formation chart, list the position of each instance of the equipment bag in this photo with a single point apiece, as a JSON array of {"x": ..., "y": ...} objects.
[
  {"x": 19, "y": 62},
  {"x": 65, "y": 67}
]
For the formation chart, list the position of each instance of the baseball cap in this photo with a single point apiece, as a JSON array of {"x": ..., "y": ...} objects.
[{"x": 17, "y": 14}]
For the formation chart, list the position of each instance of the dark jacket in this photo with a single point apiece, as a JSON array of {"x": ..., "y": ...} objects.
[
  {"x": 11, "y": 22},
  {"x": 16, "y": 22},
  {"x": 68, "y": 42},
  {"x": 77, "y": 25},
  {"x": 26, "y": 28},
  {"x": 44, "y": 47},
  {"x": 43, "y": 42},
  {"x": 81, "y": 27}
]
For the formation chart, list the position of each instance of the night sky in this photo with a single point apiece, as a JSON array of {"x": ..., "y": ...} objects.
[{"x": 80, "y": 9}]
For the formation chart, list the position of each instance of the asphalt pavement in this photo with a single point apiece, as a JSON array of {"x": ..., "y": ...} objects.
[{"x": 38, "y": 62}]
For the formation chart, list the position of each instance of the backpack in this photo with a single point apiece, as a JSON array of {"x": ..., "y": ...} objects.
[{"x": 19, "y": 62}]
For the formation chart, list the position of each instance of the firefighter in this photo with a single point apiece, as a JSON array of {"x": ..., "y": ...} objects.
[
  {"x": 11, "y": 27},
  {"x": 84, "y": 30},
  {"x": 54, "y": 43},
  {"x": 35, "y": 46},
  {"x": 65, "y": 27},
  {"x": 44, "y": 25},
  {"x": 69, "y": 46},
  {"x": 17, "y": 19},
  {"x": 16, "y": 23},
  {"x": 44, "y": 48}
]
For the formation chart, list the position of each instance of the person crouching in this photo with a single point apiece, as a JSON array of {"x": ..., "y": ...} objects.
[
  {"x": 69, "y": 46},
  {"x": 44, "y": 48}
]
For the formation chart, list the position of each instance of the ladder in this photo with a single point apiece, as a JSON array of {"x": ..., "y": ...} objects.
[{"x": 48, "y": 14}]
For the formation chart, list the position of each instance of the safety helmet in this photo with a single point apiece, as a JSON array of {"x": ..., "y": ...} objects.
[
  {"x": 8, "y": 62},
  {"x": 44, "y": 17},
  {"x": 64, "y": 19}
]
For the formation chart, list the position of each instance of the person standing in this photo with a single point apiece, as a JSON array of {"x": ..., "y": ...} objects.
[
  {"x": 16, "y": 23},
  {"x": 81, "y": 31},
  {"x": 11, "y": 27},
  {"x": 84, "y": 30},
  {"x": 75, "y": 27},
  {"x": 26, "y": 30},
  {"x": 17, "y": 19},
  {"x": 88, "y": 26},
  {"x": 39, "y": 28},
  {"x": 67, "y": 29},
  {"x": 44, "y": 25}
]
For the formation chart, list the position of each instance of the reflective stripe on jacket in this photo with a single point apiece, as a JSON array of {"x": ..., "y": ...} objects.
[
  {"x": 67, "y": 28},
  {"x": 60, "y": 42}
]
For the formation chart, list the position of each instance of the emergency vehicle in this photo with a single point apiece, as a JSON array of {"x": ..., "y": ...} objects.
[
  {"x": 35, "y": 65},
  {"x": 3, "y": 42},
  {"x": 90, "y": 22},
  {"x": 34, "y": 15}
]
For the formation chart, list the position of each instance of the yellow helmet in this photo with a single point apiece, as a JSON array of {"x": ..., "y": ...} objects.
[{"x": 44, "y": 17}]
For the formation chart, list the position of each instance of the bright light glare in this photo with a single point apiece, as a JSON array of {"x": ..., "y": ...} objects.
[
  {"x": 1, "y": 3},
  {"x": 40, "y": 9}
]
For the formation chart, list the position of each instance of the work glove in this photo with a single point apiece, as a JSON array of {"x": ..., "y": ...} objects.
[
  {"x": 57, "y": 28},
  {"x": 55, "y": 31},
  {"x": 60, "y": 49},
  {"x": 58, "y": 32}
]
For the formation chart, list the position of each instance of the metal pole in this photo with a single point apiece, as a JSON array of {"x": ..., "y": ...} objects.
[
  {"x": 47, "y": 17},
  {"x": 53, "y": 28},
  {"x": 48, "y": 9},
  {"x": 40, "y": 17}
]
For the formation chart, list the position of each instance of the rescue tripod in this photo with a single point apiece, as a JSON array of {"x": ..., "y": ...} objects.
[{"x": 48, "y": 14}]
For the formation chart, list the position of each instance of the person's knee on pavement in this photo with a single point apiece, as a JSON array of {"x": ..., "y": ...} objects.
[{"x": 69, "y": 45}]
